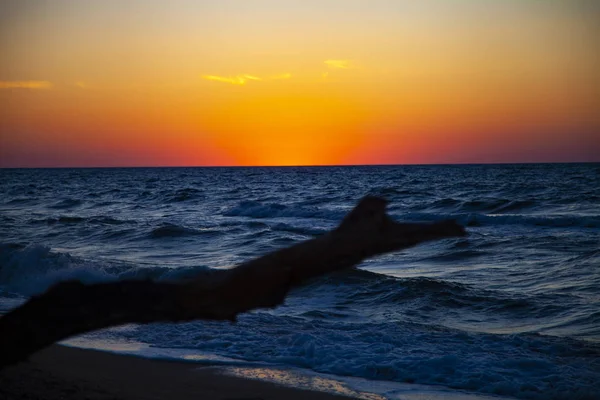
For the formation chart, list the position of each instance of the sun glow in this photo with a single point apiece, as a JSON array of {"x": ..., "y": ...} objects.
[{"x": 286, "y": 127}]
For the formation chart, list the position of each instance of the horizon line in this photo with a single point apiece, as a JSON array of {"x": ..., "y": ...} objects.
[{"x": 308, "y": 165}]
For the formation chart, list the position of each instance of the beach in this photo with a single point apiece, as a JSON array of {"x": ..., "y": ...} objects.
[
  {"x": 61, "y": 372},
  {"x": 70, "y": 373}
]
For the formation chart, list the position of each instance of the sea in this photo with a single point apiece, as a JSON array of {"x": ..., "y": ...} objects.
[{"x": 512, "y": 309}]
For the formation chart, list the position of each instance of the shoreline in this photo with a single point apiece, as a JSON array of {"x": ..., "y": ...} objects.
[
  {"x": 63, "y": 372},
  {"x": 68, "y": 373}
]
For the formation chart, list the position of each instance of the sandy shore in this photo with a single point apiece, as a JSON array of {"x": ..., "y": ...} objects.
[{"x": 69, "y": 373}]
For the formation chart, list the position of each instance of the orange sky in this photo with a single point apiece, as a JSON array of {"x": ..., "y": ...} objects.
[{"x": 275, "y": 82}]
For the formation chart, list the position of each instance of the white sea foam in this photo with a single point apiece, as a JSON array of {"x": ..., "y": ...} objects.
[
  {"x": 32, "y": 269},
  {"x": 524, "y": 366}
]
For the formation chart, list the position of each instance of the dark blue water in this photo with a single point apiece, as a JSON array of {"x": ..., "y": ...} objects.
[{"x": 512, "y": 309}]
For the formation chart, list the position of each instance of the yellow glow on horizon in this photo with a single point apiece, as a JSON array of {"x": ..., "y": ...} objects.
[{"x": 306, "y": 125}]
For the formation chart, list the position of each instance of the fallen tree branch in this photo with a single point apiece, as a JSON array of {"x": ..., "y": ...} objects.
[{"x": 72, "y": 308}]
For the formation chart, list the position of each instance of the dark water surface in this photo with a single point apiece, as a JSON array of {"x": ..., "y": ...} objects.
[{"x": 512, "y": 309}]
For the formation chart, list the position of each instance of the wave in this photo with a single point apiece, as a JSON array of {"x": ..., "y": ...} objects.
[
  {"x": 422, "y": 297},
  {"x": 101, "y": 219},
  {"x": 6, "y": 218},
  {"x": 183, "y": 195},
  {"x": 74, "y": 219},
  {"x": 31, "y": 269},
  {"x": 173, "y": 230},
  {"x": 308, "y": 231},
  {"x": 69, "y": 219},
  {"x": 526, "y": 366},
  {"x": 67, "y": 203},
  {"x": 476, "y": 219},
  {"x": 493, "y": 206},
  {"x": 497, "y": 215},
  {"x": 257, "y": 209},
  {"x": 456, "y": 255},
  {"x": 21, "y": 201},
  {"x": 515, "y": 205}
]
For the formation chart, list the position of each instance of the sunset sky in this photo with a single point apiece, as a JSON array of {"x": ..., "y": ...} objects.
[{"x": 305, "y": 82}]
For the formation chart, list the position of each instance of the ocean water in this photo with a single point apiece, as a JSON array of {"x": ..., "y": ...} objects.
[{"x": 513, "y": 309}]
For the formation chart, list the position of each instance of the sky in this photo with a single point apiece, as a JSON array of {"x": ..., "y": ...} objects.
[{"x": 302, "y": 82}]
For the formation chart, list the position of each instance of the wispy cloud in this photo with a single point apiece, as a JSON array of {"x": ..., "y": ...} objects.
[
  {"x": 340, "y": 64},
  {"x": 25, "y": 85},
  {"x": 276, "y": 53},
  {"x": 234, "y": 80},
  {"x": 251, "y": 78},
  {"x": 244, "y": 78},
  {"x": 280, "y": 77}
]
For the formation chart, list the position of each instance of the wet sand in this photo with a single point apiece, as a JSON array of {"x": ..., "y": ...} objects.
[{"x": 67, "y": 373}]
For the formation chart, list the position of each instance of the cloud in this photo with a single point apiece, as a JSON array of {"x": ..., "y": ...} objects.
[
  {"x": 25, "y": 85},
  {"x": 280, "y": 76},
  {"x": 340, "y": 64},
  {"x": 244, "y": 78},
  {"x": 276, "y": 53},
  {"x": 234, "y": 80}
]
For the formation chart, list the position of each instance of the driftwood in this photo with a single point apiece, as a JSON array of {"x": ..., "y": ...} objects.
[{"x": 72, "y": 308}]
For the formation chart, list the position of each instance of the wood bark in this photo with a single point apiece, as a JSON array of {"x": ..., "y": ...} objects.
[{"x": 71, "y": 308}]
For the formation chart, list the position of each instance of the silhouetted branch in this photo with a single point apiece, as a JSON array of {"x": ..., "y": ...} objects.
[{"x": 72, "y": 308}]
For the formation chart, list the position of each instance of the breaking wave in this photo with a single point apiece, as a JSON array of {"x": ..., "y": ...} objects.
[{"x": 29, "y": 270}]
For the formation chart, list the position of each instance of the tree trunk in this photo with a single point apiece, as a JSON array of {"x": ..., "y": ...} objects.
[{"x": 72, "y": 308}]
